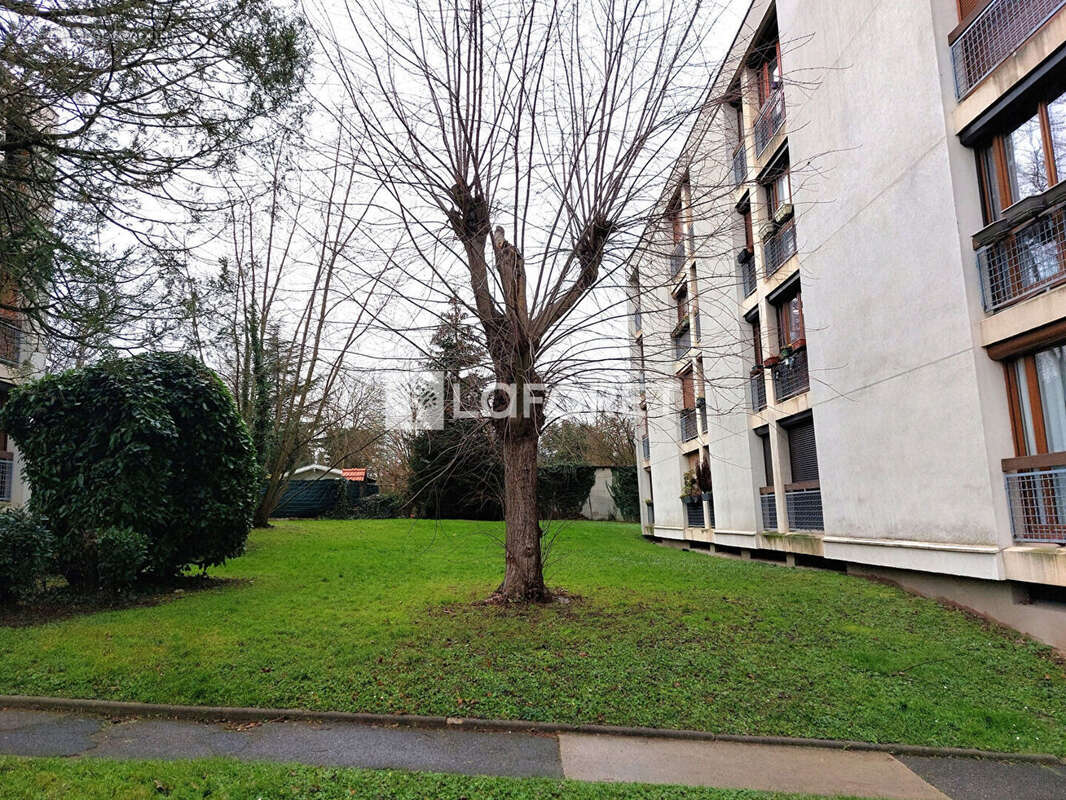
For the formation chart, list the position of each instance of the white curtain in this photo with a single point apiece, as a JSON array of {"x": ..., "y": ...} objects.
[{"x": 1051, "y": 374}]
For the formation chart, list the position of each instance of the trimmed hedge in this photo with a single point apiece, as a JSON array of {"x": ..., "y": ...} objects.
[
  {"x": 562, "y": 489},
  {"x": 152, "y": 444},
  {"x": 625, "y": 493}
]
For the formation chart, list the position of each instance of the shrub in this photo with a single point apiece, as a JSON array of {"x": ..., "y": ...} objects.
[
  {"x": 378, "y": 506},
  {"x": 121, "y": 555},
  {"x": 152, "y": 443},
  {"x": 26, "y": 548}
]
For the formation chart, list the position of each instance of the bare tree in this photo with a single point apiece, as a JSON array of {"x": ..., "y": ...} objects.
[
  {"x": 284, "y": 315},
  {"x": 521, "y": 147}
]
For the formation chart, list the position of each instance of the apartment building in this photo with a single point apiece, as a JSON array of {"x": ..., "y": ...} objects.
[
  {"x": 21, "y": 357},
  {"x": 849, "y": 326}
]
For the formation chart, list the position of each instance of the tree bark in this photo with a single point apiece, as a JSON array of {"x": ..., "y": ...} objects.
[{"x": 523, "y": 580}]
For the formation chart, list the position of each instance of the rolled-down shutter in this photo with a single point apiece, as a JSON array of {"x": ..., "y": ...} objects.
[{"x": 802, "y": 453}]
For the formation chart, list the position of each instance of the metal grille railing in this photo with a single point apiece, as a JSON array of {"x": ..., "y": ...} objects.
[
  {"x": 769, "y": 121},
  {"x": 7, "y": 473},
  {"x": 804, "y": 509},
  {"x": 10, "y": 342},
  {"x": 1037, "y": 503},
  {"x": 677, "y": 258},
  {"x": 646, "y": 448},
  {"x": 740, "y": 166},
  {"x": 682, "y": 344},
  {"x": 694, "y": 514},
  {"x": 994, "y": 34},
  {"x": 687, "y": 419},
  {"x": 1025, "y": 262},
  {"x": 651, "y": 514},
  {"x": 758, "y": 391},
  {"x": 638, "y": 321},
  {"x": 769, "y": 511},
  {"x": 779, "y": 248},
  {"x": 791, "y": 376},
  {"x": 747, "y": 276}
]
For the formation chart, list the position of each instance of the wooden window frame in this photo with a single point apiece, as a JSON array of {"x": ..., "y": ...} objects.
[
  {"x": 783, "y": 322},
  {"x": 998, "y": 147},
  {"x": 756, "y": 335},
  {"x": 765, "y": 75}
]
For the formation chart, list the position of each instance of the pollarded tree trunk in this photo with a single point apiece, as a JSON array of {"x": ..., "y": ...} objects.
[{"x": 523, "y": 579}]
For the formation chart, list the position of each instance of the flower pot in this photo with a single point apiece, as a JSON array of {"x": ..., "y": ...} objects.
[
  {"x": 772, "y": 361},
  {"x": 691, "y": 499}
]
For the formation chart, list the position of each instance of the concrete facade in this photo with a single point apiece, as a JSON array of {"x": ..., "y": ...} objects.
[
  {"x": 912, "y": 415},
  {"x": 26, "y": 360}
]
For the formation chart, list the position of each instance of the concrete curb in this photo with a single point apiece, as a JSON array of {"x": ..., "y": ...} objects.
[{"x": 220, "y": 713}]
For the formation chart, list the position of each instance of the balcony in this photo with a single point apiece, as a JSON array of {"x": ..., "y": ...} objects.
[
  {"x": 790, "y": 376},
  {"x": 677, "y": 259},
  {"x": 1023, "y": 254},
  {"x": 758, "y": 390},
  {"x": 769, "y": 509},
  {"x": 747, "y": 271},
  {"x": 769, "y": 121},
  {"x": 804, "y": 504},
  {"x": 694, "y": 514},
  {"x": 10, "y": 342},
  {"x": 7, "y": 474},
  {"x": 1000, "y": 29},
  {"x": 651, "y": 513},
  {"x": 740, "y": 166},
  {"x": 687, "y": 420},
  {"x": 779, "y": 248},
  {"x": 645, "y": 446},
  {"x": 638, "y": 322},
  {"x": 1036, "y": 496}
]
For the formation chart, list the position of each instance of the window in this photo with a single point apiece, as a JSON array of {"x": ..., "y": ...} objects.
[
  {"x": 1024, "y": 160},
  {"x": 1036, "y": 386},
  {"x": 767, "y": 460},
  {"x": 749, "y": 234},
  {"x": 778, "y": 187},
  {"x": 688, "y": 391},
  {"x": 768, "y": 73},
  {"x": 682, "y": 304},
  {"x": 756, "y": 340},
  {"x": 790, "y": 331},
  {"x": 802, "y": 452}
]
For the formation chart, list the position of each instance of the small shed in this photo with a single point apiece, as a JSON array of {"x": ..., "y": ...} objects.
[{"x": 315, "y": 490}]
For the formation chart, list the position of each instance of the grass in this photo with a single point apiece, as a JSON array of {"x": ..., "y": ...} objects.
[
  {"x": 378, "y": 616},
  {"x": 58, "y": 779}
]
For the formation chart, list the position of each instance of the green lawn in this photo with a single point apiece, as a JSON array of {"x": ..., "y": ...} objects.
[
  {"x": 57, "y": 779},
  {"x": 377, "y": 616}
]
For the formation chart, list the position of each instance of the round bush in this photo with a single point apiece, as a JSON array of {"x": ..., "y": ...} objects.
[
  {"x": 152, "y": 443},
  {"x": 25, "y": 553}
]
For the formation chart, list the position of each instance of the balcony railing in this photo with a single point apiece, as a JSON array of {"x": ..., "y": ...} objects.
[
  {"x": 702, "y": 408},
  {"x": 747, "y": 274},
  {"x": 779, "y": 248},
  {"x": 10, "y": 342},
  {"x": 791, "y": 376},
  {"x": 1024, "y": 254},
  {"x": 758, "y": 391},
  {"x": 769, "y": 121},
  {"x": 740, "y": 166},
  {"x": 694, "y": 514},
  {"x": 645, "y": 446},
  {"x": 651, "y": 513},
  {"x": 687, "y": 420},
  {"x": 1000, "y": 29},
  {"x": 638, "y": 321},
  {"x": 1037, "y": 501},
  {"x": 7, "y": 474},
  {"x": 682, "y": 344},
  {"x": 769, "y": 511},
  {"x": 677, "y": 258},
  {"x": 804, "y": 504}
]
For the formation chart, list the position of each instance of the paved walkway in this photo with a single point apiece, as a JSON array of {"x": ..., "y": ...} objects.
[{"x": 585, "y": 757}]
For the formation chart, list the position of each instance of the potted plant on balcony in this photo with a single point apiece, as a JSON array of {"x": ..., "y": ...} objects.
[
  {"x": 703, "y": 479},
  {"x": 783, "y": 213},
  {"x": 744, "y": 255},
  {"x": 690, "y": 488}
]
